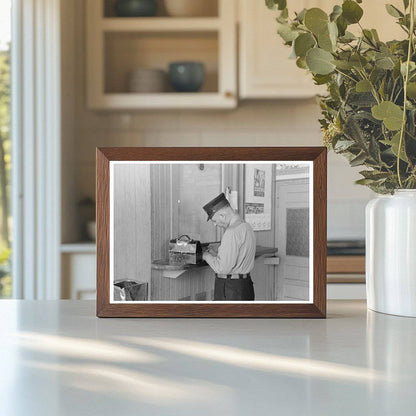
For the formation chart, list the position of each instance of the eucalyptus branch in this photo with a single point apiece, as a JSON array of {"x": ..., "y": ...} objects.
[
  {"x": 406, "y": 79},
  {"x": 385, "y": 117}
]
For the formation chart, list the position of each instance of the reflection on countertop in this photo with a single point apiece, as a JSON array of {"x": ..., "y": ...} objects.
[{"x": 356, "y": 362}]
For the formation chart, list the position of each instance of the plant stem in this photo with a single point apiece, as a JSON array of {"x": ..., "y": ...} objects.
[
  {"x": 406, "y": 79},
  {"x": 345, "y": 75},
  {"x": 373, "y": 90}
]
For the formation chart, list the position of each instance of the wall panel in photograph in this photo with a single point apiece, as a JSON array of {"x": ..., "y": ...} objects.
[{"x": 132, "y": 239}]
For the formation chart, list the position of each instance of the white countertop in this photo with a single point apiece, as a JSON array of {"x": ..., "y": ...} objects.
[{"x": 58, "y": 359}]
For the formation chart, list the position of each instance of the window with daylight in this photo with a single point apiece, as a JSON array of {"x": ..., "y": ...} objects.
[{"x": 5, "y": 147}]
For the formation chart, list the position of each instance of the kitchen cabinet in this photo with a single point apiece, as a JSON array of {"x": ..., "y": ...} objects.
[
  {"x": 118, "y": 45},
  {"x": 78, "y": 263},
  {"x": 265, "y": 70}
]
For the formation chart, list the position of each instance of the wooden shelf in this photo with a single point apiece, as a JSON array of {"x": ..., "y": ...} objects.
[
  {"x": 159, "y": 24},
  {"x": 81, "y": 247},
  {"x": 163, "y": 101}
]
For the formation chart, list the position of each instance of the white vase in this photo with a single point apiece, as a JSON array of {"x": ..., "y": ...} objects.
[{"x": 391, "y": 253}]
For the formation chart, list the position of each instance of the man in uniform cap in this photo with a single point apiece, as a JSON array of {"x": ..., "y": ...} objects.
[{"x": 234, "y": 260}]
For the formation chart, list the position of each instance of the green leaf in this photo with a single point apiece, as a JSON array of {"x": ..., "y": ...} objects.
[
  {"x": 343, "y": 145},
  {"x": 394, "y": 144},
  {"x": 385, "y": 63},
  {"x": 381, "y": 89},
  {"x": 375, "y": 35},
  {"x": 283, "y": 17},
  {"x": 396, "y": 71},
  {"x": 358, "y": 61},
  {"x": 374, "y": 175},
  {"x": 364, "y": 181},
  {"x": 336, "y": 12},
  {"x": 276, "y": 4},
  {"x": 358, "y": 160},
  {"x": 351, "y": 11},
  {"x": 316, "y": 20},
  {"x": 321, "y": 79},
  {"x": 347, "y": 37},
  {"x": 301, "y": 63},
  {"x": 342, "y": 25},
  {"x": 363, "y": 86},
  {"x": 412, "y": 67},
  {"x": 333, "y": 32},
  {"x": 341, "y": 64},
  {"x": 325, "y": 43},
  {"x": 393, "y": 11},
  {"x": 301, "y": 15},
  {"x": 368, "y": 36},
  {"x": 286, "y": 32},
  {"x": 390, "y": 113},
  {"x": 361, "y": 99},
  {"x": 411, "y": 90},
  {"x": 374, "y": 150},
  {"x": 377, "y": 74},
  {"x": 303, "y": 43},
  {"x": 319, "y": 61}
]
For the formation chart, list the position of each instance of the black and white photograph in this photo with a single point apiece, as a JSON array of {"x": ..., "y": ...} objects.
[{"x": 211, "y": 231}]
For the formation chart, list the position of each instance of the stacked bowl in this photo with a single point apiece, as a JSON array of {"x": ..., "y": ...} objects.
[{"x": 147, "y": 80}]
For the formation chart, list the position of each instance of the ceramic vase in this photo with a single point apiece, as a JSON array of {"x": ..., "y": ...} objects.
[{"x": 391, "y": 253}]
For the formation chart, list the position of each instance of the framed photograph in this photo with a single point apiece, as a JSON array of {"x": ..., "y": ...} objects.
[{"x": 211, "y": 232}]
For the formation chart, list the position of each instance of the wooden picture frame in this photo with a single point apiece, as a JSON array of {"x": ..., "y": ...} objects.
[{"x": 314, "y": 308}]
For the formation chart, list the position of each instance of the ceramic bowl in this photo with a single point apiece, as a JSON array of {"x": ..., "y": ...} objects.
[
  {"x": 186, "y": 76},
  {"x": 147, "y": 80},
  {"x": 135, "y": 8}
]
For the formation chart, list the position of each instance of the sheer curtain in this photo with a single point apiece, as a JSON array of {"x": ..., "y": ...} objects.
[{"x": 36, "y": 148}]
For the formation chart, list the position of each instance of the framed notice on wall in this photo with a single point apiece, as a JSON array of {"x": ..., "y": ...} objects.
[{"x": 258, "y": 196}]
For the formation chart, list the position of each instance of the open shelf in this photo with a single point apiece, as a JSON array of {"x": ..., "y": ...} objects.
[
  {"x": 160, "y": 24},
  {"x": 127, "y": 51},
  {"x": 116, "y": 46}
]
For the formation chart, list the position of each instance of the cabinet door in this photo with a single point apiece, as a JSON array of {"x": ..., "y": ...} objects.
[{"x": 265, "y": 68}]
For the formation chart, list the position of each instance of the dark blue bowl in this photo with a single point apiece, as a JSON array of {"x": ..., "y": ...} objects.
[
  {"x": 186, "y": 76},
  {"x": 135, "y": 8}
]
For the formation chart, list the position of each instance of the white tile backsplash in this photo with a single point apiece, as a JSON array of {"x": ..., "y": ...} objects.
[{"x": 271, "y": 123}]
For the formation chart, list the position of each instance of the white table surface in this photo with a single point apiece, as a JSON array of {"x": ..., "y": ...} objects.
[{"x": 57, "y": 358}]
